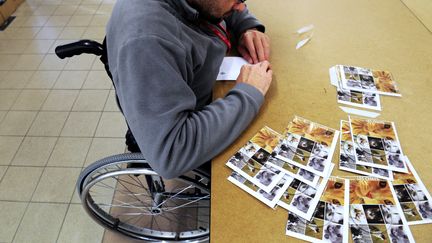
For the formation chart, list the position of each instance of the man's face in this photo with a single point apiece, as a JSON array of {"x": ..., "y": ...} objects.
[{"x": 215, "y": 10}]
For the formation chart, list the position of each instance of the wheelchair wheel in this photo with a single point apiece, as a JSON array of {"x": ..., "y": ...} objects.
[{"x": 135, "y": 201}]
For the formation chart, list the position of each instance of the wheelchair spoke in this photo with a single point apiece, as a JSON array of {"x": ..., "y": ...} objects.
[{"x": 139, "y": 203}]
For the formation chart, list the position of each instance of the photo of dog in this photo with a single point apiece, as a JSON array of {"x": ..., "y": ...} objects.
[
  {"x": 334, "y": 213},
  {"x": 397, "y": 234},
  {"x": 249, "y": 149},
  {"x": 373, "y": 214},
  {"x": 301, "y": 202},
  {"x": 333, "y": 233},
  {"x": 320, "y": 150},
  {"x": 357, "y": 215},
  {"x": 395, "y": 160},
  {"x": 402, "y": 193},
  {"x": 266, "y": 174},
  {"x": 307, "y": 175},
  {"x": 360, "y": 234},
  {"x": 238, "y": 160},
  {"x": 306, "y": 190},
  {"x": 425, "y": 209},
  {"x": 391, "y": 214},
  {"x": 296, "y": 224},
  {"x": 316, "y": 163}
]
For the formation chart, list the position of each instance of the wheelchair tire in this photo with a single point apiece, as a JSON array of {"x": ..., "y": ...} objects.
[{"x": 136, "y": 202}]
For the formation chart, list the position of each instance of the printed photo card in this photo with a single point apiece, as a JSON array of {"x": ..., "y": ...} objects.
[
  {"x": 376, "y": 144},
  {"x": 329, "y": 222},
  {"x": 375, "y": 215},
  {"x": 368, "y": 80},
  {"x": 269, "y": 198},
  {"x": 353, "y": 97},
  {"x": 413, "y": 196},
  {"x": 307, "y": 145},
  {"x": 251, "y": 161},
  {"x": 347, "y": 161},
  {"x": 302, "y": 199}
]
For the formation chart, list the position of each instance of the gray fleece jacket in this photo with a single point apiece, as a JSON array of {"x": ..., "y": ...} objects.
[{"x": 164, "y": 64}]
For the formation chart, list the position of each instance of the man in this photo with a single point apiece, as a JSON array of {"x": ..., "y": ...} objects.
[{"x": 164, "y": 56}]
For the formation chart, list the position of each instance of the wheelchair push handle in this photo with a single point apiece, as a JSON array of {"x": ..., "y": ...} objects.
[{"x": 78, "y": 48}]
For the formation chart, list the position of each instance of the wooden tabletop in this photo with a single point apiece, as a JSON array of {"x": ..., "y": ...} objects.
[{"x": 383, "y": 35}]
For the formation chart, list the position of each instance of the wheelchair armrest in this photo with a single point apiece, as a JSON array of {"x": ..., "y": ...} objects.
[{"x": 78, "y": 48}]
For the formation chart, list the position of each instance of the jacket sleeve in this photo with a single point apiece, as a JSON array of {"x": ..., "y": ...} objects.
[
  {"x": 159, "y": 107},
  {"x": 239, "y": 22}
]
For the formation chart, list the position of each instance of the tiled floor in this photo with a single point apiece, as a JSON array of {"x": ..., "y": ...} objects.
[{"x": 56, "y": 116}]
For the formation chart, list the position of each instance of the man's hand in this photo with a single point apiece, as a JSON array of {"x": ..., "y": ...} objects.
[
  {"x": 258, "y": 75},
  {"x": 254, "y": 46}
]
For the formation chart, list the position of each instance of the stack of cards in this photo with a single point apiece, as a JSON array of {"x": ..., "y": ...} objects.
[
  {"x": 375, "y": 215},
  {"x": 371, "y": 147},
  {"x": 292, "y": 170},
  {"x": 361, "y": 87},
  {"x": 330, "y": 219},
  {"x": 289, "y": 170}
]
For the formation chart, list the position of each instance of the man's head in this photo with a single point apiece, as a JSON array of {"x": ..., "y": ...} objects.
[{"x": 215, "y": 10}]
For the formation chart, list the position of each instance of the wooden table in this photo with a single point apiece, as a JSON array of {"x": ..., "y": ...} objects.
[{"x": 383, "y": 35}]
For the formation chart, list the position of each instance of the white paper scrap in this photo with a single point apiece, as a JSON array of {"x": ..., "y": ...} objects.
[
  {"x": 230, "y": 68},
  {"x": 359, "y": 112},
  {"x": 303, "y": 42},
  {"x": 305, "y": 29}
]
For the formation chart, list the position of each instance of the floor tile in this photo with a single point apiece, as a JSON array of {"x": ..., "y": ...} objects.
[
  {"x": 60, "y": 100},
  {"x": 91, "y": 2},
  {"x": 86, "y": 9},
  {"x": 34, "y": 151},
  {"x": 97, "y": 80},
  {"x": 66, "y": 10},
  {"x": 22, "y": 33},
  {"x": 57, "y": 21},
  {"x": 8, "y": 148},
  {"x": 99, "y": 20},
  {"x": 104, "y": 147},
  {"x": 28, "y": 62},
  {"x": 17, "y": 122},
  {"x": 2, "y": 115},
  {"x": 111, "y": 104},
  {"x": 43, "y": 80},
  {"x": 35, "y": 21},
  {"x": 41, "y": 223},
  {"x": 45, "y": 10},
  {"x": 82, "y": 62},
  {"x": 48, "y": 123},
  {"x": 10, "y": 217},
  {"x": 19, "y": 183},
  {"x": 71, "y": 80},
  {"x": 7, "y": 61},
  {"x": 94, "y": 32},
  {"x": 30, "y": 100},
  {"x": 3, "y": 169},
  {"x": 49, "y": 33},
  {"x": 70, "y": 152},
  {"x": 110, "y": 237},
  {"x": 7, "y": 98},
  {"x": 16, "y": 79},
  {"x": 79, "y": 227},
  {"x": 52, "y": 62},
  {"x": 91, "y": 100},
  {"x": 72, "y": 33},
  {"x": 39, "y": 46},
  {"x": 13, "y": 47},
  {"x": 112, "y": 124},
  {"x": 81, "y": 124},
  {"x": 82, "y": 21},
  {"x": 56, "y": 185},
  {"x": 105, "y": 9}
]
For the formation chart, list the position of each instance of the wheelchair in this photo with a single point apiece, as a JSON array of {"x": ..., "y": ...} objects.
[{"x": 123, "y": 194}]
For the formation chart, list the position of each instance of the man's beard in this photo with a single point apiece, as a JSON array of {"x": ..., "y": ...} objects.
[{"x": 205, "y": 10}]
